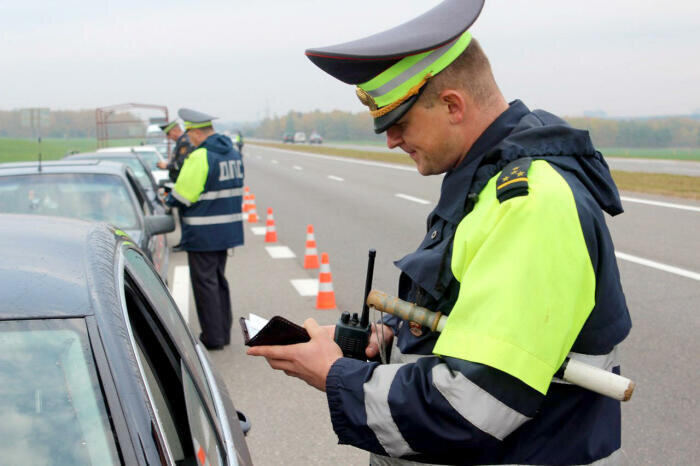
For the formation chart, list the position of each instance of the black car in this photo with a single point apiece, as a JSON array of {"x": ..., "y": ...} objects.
[
  {"x": 137, "y": 164},
  {"x": 88, "y": 190},
  {"x": 288, "y": 137},
  {"x": 98, "y": 366}
]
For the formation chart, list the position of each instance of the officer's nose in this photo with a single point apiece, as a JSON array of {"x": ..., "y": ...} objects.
[{"x": 394, "y": 137}]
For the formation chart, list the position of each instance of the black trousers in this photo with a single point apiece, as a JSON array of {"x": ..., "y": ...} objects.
[{"x": 211, "y": 295}]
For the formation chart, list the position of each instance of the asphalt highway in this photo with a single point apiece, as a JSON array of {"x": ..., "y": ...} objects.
[{"x": 356, "y": 205}]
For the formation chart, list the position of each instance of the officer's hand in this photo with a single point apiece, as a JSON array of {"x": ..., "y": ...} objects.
[
  {"x": 376, "y": 337},
  {"x": 162, "y": 165},
  {"x": 309, "y": 361}
]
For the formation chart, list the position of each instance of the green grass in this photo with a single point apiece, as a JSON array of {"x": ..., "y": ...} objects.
[
  {"x": 22, "y": 150},
  {"x": 666, "y": 153}
]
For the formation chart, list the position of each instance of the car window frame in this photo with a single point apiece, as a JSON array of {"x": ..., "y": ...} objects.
[
  {"x": 126, "y": 448},
  {"x": 215, "y": 410}
]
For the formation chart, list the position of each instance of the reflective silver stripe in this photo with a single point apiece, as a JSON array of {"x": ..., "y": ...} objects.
[
  {"x": 475, "y": 404},
  {"x": 180, "y": 197},
  {"x": 325, "y": 286},
  {"x": 212, "y": 220},
  {"x": 221, "y": 194},
  {"x": 378, "y": 412},
  {"x": 398, "y": 357},
  {"x": 412, "y": 71},
  {"x": 601, "y": 361}
]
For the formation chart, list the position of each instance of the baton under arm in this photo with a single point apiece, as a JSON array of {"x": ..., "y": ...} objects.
[{"x": 572, "y": 371}]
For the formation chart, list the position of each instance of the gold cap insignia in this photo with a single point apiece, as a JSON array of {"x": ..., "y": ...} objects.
[{"x": 365, "y": 98}]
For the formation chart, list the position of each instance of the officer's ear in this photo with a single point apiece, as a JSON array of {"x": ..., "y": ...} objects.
[{"x": 455, "y": 105}]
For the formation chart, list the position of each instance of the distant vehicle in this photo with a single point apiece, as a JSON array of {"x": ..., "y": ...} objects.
[
  {"x": 92, "y": 190},
  {"x": 299, "y": 137},
  {"x": 288, "y": 137},
  {"x": 98, "y": 365},
  {"x": 149, "y": 153},
  {"x": 155, "y": 135},
  {"x": 137, "y": 165},
  {"x": 315, "y": 138}
]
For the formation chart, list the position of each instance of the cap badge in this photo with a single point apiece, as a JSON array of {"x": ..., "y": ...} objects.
[{"x": 365, "y": 98}]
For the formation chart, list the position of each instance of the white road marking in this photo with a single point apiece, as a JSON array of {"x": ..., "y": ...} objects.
[
  {"x": 344, "y": 159},
  {"x": 306, "y": 286},
  {"x": 658, "y": 265},
  {"x": 412, "y": 199},
  {"x": 280, "y": 252},
  {"x": 335, "y": 178},
  {"x": 274, "y": 162},
  {"x": 181, "y": 290},
  {"x": 259, "y": 157},
  {"x": 661, "y": 204},
  {"x": 297, "y": 167},
  {"x": 258, "y": 230}
]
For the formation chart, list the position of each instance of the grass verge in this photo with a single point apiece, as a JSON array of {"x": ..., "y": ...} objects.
[
  {"x": 651, "y": 183},
  {"x": 24, "y": 150}
]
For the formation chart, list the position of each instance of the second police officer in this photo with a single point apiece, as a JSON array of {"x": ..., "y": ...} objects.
[
  {"x": 182, "y": 149},
  {"x": 208, "y": 192}
]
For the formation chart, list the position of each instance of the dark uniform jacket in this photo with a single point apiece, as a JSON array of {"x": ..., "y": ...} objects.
[
  {"x": 183, "y": 147},
  {"x": 208, "y": 193},
  {"x": 474, "y": 413}
]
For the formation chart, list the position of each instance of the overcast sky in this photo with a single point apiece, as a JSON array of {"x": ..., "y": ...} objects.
[{"x": 244, "y": 59}]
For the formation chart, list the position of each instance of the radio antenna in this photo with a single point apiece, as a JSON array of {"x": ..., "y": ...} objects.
[{"x": 364, "y": 320}]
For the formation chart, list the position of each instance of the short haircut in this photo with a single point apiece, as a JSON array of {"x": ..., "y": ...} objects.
[{"x": 470, "y": 72}]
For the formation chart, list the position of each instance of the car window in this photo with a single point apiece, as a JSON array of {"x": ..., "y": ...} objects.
[
  {"x": 87, "y": 196},
  {"x": 168, "y": 313},
  {"x": 51, "y": 402},
  {"x": 138, "y": 169},
  {"x": 176, "y": 382},
  {"x": 144, "y": 205},
  {"x": 203, "y": 433},
  {"x": 151, "y": 157}
]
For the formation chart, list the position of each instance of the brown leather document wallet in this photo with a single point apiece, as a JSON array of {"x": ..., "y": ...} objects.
[{"x": 277, "y": 331}]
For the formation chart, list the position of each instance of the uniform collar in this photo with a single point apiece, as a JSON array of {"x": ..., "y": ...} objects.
[{"x": 456, "y": 183}]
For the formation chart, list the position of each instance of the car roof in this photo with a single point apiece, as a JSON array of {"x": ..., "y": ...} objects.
[
  {"x": 104, "y": 156},
  {"x": 64, "y": 166},
  {"x": 128, "y": 149},
  {"x": 43, "y": 265}
]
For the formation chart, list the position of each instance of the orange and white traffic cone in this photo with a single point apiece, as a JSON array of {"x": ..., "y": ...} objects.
[
  {"x": 252, "y": 213},
  {"x": 271, "y": 233},
  {"x": 246, "y": 199},
  {"x": 326, "y": 297},
  {"x": 311, "y": 253}
]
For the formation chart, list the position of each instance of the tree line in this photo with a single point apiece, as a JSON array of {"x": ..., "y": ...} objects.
[
  {"x": 336, "y": 125},
  {"x": 676, "y": 132},
  {"x": 68, "y": 124}
]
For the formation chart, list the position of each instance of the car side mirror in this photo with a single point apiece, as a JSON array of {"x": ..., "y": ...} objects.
[
  {"x": 159, "y": 224},
  {"x": 245, "y": 423}
]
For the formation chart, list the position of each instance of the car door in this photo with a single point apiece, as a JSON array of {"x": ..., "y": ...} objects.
[{"x": 192, "y": 409}]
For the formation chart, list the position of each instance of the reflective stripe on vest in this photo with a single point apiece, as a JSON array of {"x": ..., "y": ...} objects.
[
  {"x": 180, "y": 197},
  {"x": 221, "y": 194},
  {"x": 212, "y": 219}
]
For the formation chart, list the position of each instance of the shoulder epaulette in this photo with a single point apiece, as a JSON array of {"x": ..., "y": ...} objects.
[{"x": 512, "y": 181}]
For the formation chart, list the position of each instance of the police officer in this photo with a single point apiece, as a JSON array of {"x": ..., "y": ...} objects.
[
  {"x": 239, "y": 141},
  {"x": 208, "y": 193},
  {"x": 182, "y": 149},
  {"x": 516, "y": 253}
]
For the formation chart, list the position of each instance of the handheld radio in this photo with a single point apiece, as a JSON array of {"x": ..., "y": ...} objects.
[{"x": 352, "y": 333}]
